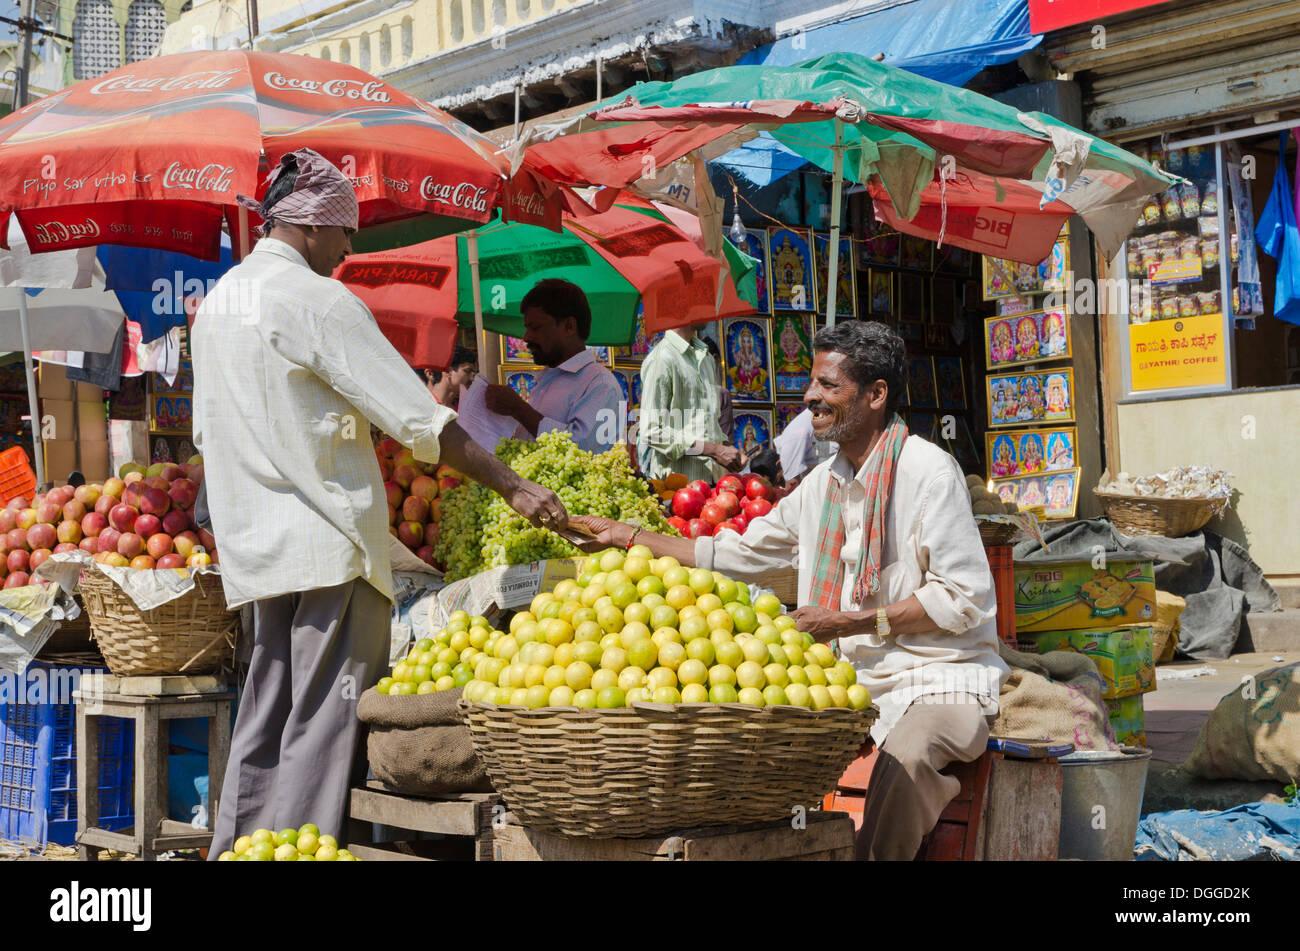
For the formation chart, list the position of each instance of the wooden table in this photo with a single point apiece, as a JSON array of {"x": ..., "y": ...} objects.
[
  {"x": 466, "y": 821},
  {"x": 824, "y": 836},
  {"x": 153, "y": 832}
]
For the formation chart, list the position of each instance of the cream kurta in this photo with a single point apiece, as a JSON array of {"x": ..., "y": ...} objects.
[
  {"x": 290, "y": 369},
  {"x": 932, "y": 550}
]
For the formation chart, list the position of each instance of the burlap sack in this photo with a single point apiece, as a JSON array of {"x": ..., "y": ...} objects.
[
  {"x": 420, "y": 745},
  {"x": 1254, "y": 732},
  {"x": 1055, "y": 697}
]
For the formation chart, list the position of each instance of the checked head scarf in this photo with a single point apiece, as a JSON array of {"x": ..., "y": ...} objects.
[
  {"x": 322, "y": 195},
  {"x": 828, "y": 569}
]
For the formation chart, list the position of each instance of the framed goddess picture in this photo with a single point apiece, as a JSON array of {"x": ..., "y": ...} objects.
[
  {"x": 1028, "y": 337},
  {"x": 1026, "y": 451},
  {"x": 846, "y": 295},
  {"x": 1056, "y": 492},
  {"x": 880, "y": 286},
  {"x": 915, "y": 253},
  {"x": 747, "y": 359},
  {"x": 755, "y": 245},
  {"x": 911, "y": 297},
  {"x": 878, "y": 244},
  {"x": 791, "y": 269},
  {"x": 951, "y": 378},
  {"x": 792, "y": 352},
  {"x": 514, "y": 350},
  {"x": 921, "y": 390},
  {"x": 520, "y": 379},
  {"x": 785, "y": 414},
  {"x": 753, "y": 430},
  {"x": 1031, "y": 398}
]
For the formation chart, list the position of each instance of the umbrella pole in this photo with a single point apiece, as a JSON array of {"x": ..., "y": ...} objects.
[
  {"x": 240, "y": 245},
  {"x": 38, "y": 448},
  {"x": 480, "y": 338},
  {"x": 833, "y": 246}
]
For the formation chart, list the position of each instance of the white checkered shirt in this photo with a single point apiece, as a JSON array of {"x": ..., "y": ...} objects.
[{"x": 290, "y": 369}]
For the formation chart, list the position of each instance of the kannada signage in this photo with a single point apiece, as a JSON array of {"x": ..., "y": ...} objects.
[
  {"x": 1046, "y": 15},
  {"x": 1176, "y": 354}
]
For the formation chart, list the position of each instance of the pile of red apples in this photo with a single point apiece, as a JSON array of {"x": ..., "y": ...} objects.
[{"x": 414, "y": 493}]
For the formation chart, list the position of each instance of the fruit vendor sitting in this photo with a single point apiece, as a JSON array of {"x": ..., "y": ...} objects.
[
  {"x": 574, "y": 392},
  {"x": 891, "y": 567},
  {"x": 290, "y": 369}
]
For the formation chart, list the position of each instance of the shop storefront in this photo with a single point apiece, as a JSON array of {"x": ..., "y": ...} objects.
[{"x": 1196, "y": 368}]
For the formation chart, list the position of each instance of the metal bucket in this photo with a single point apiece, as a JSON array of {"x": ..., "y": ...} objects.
[{"x": 1101, "y": 801}]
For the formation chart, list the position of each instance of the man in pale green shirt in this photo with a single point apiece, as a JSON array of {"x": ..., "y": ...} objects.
[{"x": 678, "y": 429}]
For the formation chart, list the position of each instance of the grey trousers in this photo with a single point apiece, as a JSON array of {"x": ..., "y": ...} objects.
[
  {"x": 907, "y": 793},
  {"x": 296, "y": 748}
]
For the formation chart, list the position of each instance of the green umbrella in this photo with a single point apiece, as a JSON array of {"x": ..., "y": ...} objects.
[{"x": 632, "y": 262}]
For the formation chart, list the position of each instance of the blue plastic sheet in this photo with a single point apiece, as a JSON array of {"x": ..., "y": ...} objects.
[
  {"x": 1257, "y": 830},
  {"x": 152, "y": 285},
  {"x": 945, "y": 40},
  {"x": 1279, "y": 237}
]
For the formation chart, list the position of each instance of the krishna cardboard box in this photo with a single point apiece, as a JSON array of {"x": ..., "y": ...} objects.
[
  {"x": 1123, "y": 655},
  {"x": 1078, "y": 595},
  {"x": 1128, "y": 720}
]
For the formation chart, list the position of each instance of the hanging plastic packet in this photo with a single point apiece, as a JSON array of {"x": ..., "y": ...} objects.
[
  {"x": 1189, "y": 197},
  {"x": 1210, "y": 200}
]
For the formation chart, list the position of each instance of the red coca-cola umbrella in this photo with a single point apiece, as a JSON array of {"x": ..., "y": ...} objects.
[{"x": 153, "y": 154}]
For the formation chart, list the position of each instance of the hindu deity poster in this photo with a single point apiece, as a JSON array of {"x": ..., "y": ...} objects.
[
  {"x": 747, "y": 359},
  {"x": 1056, "y": 492},
  {"x": 785, "y": 414},
  {"x": 753, "y": 430},
  {"x": 916, "y": 253},
  {"x": 603, "y": 355},
  {"x": 755, "y": 245},
  {"x": 1026, "y": 451},
  {"x": 880, "y": 288},
  {"x": 921, "y": 390},
  {"x": 878, "y": 245},
  {"x": 846, "y": 295},
  {"x": 792, "y": 335},
  {"x": 911, "y": 297},
  {"x": 925, "y": 425},
  {"x": 951, "y": 377},
  {"x": 520, "y": 379},
  {"x": 791, "y": 269},
  {"x": 1031, "y": 398},
  {"x": 514, "y": 350},
  {"x": 1029, "y": 337}
]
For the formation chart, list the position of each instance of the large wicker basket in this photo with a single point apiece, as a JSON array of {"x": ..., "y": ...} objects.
[
  {"x": 1150, "y": 515},
  {"x": 192, "y": 634},
  {"x": 652, "y": 768},
  {"x": 784, "y": 583},
  {"x": 996, "y": 533}
]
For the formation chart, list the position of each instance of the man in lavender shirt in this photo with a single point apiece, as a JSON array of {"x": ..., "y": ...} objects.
[{"x": 575, "y": 392}]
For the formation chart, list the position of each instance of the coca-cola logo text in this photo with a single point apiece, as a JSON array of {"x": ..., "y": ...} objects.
[
  {"x": 529, "y": 203},
  {"x": 207, "y": 79},
  {"x": 58, "y": 232},
  {"x": 355, "y": 89},
  {"x": 208, "y": 178},
  {"x": 464, "y": 195}
]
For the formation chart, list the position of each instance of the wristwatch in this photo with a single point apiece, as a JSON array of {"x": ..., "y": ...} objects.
[{"x": 882, "y": 623}]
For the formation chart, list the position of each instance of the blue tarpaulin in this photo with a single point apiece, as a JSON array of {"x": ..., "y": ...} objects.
[
  {"x": 151, "y": 285},
  {"x": 945, "y": 40},
  {"x": 1257, "y": 830}
]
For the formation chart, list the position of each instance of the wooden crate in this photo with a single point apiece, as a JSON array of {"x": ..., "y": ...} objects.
[
  {"x": 466, "y": 821},
  {"x": 823, "y": 836}
]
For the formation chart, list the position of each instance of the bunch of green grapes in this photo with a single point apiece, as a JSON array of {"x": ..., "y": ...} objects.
[{"x": 480, "y": 531}]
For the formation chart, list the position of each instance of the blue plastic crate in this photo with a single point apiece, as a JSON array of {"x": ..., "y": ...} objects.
[{"x": 38, "y": 773}]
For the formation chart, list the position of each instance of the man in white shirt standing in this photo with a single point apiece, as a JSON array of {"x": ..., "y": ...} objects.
[
  {"x": 891, "y": 566},
  {"x": 575, "y": 392},
  {"x": 797, "y": 447},
  {"x": 290, "y": 369}
]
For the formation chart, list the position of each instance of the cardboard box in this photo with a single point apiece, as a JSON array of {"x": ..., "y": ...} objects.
[
  {"x": 1128, "y": 720},
  {"x": 53, "y": 383},
  {"x": 60, "y": 459},
  {"x": 1075, "y": 595},
  {"x": 94, "y": 461},
  {"x": 92, "y": 418},
  {"x": 89, "y": 393},
  {"x": 58, "y": 420},
  {"x": 1123, "y": 655}
]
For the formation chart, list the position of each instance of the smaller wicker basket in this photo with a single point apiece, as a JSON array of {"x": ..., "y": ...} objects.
[
  {"x": 996, "y": 533},
  {"x": 653, "y": 767},
  {"x": 1151, "y": 515},
  {"x": 192, "y": 634}
]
